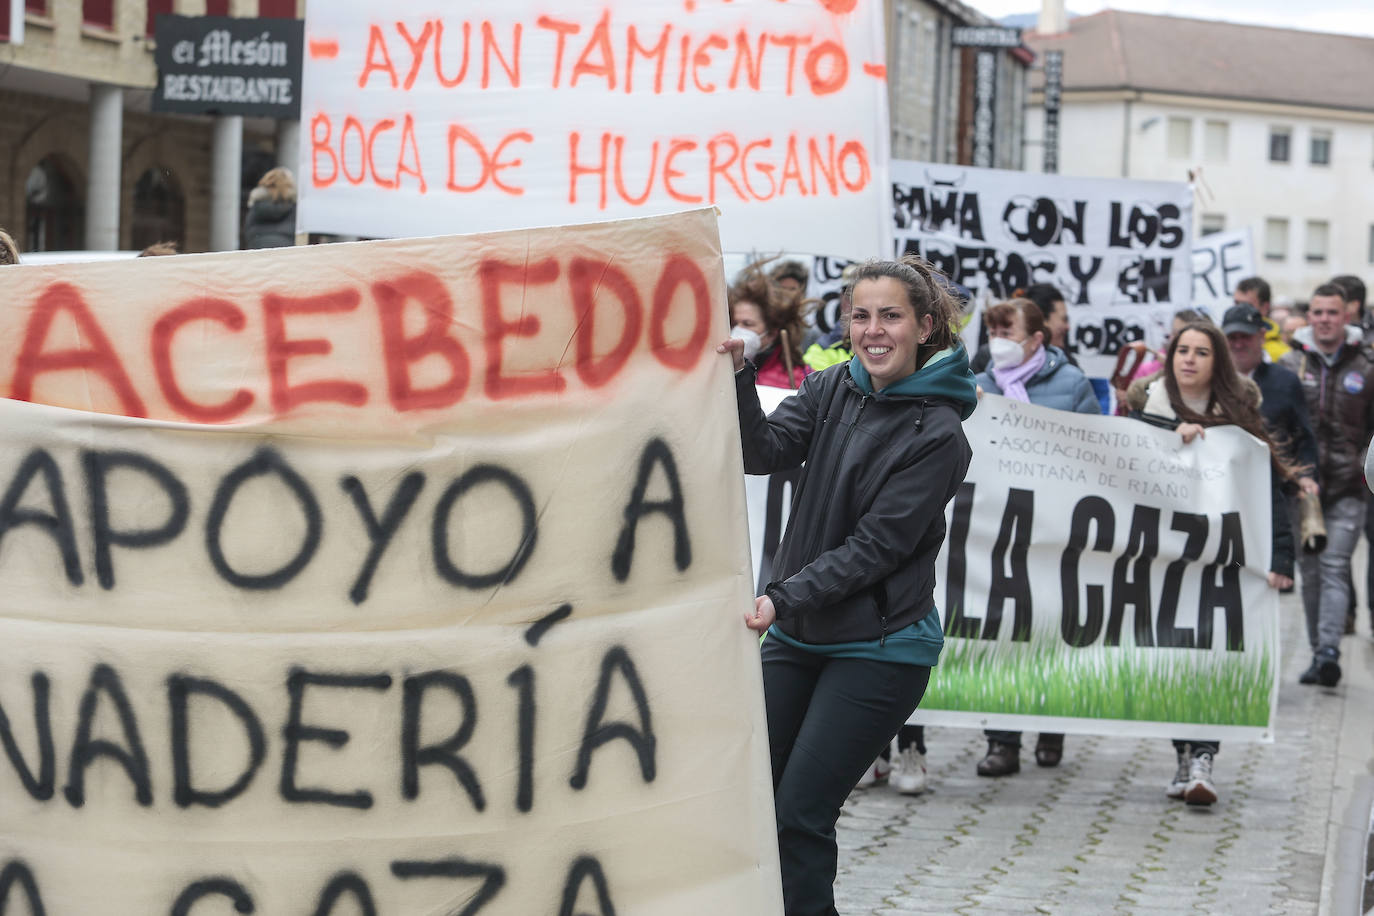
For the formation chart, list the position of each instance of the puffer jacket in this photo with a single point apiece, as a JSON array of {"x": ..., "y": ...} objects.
[
  {"x": 1058, "y": 384},
  {"x": 858, "y": 559},
  {"x": 1340, "y": 405}
]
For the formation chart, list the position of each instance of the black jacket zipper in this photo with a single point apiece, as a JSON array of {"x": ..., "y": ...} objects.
[{"x": 830, "y": 487}]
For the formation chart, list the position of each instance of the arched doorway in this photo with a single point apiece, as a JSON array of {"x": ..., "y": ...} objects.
[
  {"x": 159, "y": 210},
  {"x": 54, "y": 214}
]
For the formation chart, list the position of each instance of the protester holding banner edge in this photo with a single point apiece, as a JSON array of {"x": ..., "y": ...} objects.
[
  {"x": 1026, "y": 367},
  {"x": 852, "y": 630},
  {"x": 1198, "y": 388}
]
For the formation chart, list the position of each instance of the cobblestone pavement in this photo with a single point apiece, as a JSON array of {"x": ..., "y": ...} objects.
[{"x": 1097, "y": 834}]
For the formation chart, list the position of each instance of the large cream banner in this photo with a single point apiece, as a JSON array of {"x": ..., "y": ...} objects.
[
  {"x": 394, "y": 577},
  {"x": 428, "y": 117},
  {"x": 1098, "y": 577}
]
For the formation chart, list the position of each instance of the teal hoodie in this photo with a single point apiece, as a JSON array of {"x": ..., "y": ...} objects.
[{"x": 945, "y": 375}]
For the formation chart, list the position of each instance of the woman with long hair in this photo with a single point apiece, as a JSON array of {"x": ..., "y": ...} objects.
[
  {"x": 773, "y": 321},
  {"x": 1199, "y": 388},
  {"x": 850, "y": 621}
]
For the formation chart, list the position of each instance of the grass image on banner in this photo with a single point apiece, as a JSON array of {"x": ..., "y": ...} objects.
[{"x": 1148, "y": 685}]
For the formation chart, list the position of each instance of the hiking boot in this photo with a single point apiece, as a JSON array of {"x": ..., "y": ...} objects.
[
  {"x": 1049, "y": 750},
  {"x": 1313, "y": 672},
  {"x": 909, "y": 772},
  {"x": 1179, "y": 785},
  {"x": 874, "y": 774},
  {"x": 1200, "y": 790},
  {"x": 1002, "y": 760},
  {"x": 1328, "y": 668}
]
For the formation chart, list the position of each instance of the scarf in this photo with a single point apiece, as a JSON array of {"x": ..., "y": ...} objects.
[{"x": 1013, "y": 381}]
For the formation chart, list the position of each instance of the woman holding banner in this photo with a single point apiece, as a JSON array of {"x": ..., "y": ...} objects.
[
  {"x": 1199, "y": 388},
  {"x": 852, "y": 629},
  {"x": 1026, "y": 368}
]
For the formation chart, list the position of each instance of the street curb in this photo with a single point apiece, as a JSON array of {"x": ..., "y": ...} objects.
[{"x": 1352, "y": 796}]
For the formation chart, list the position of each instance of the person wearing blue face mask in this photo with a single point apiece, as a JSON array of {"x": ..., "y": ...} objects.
[{"x": 1025, "y": 368}]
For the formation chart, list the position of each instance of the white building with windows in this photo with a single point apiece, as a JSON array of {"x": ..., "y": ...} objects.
[{"x": 1275, "y": 127}]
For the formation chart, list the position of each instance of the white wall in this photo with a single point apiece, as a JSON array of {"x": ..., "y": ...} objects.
[{"x": 1243, "y": 187}]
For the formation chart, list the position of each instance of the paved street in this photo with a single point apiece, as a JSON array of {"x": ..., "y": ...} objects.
[{"x": 1098, "y": 835}]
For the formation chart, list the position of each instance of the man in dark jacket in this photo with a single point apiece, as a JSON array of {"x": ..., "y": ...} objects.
[
  {"x": 1282, "y": 404},
  {"x": 1337, "y": 376}
]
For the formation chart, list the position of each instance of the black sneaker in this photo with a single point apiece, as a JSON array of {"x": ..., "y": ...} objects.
[
  {"x": 1313, "y": 672},
  {"x": 1328, "y": 669}
]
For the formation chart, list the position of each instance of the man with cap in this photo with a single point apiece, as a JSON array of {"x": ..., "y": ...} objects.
[
  {"x": 1337, "y": 376},
  {"x": 1282, "y": 403}
]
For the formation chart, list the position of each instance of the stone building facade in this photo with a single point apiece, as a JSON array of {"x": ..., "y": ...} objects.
[{"x": 78, "y": 89}]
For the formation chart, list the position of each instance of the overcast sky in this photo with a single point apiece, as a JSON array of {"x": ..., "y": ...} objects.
[{"x": 1349, "y": 16}]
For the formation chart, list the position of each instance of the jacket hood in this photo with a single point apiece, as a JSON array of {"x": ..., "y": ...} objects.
[
  {"x": 945, "y": 375},
  {"x": 1303, "y": 336},
  {"x": 1054, "y": 360}
]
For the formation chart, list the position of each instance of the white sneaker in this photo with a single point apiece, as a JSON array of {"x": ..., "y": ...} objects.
[
  {"x": 909, "y": 772},
  {"x": 874, "y": 774},
  {"x": 1178, "y": 787},
  {"x": 1200, "y": 790}
]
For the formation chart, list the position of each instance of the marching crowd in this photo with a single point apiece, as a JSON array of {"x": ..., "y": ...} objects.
[
  {"x": 849, "y": 625},
  {"x": 851, "y": 630}
]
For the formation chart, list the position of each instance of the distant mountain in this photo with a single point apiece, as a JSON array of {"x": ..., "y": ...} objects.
[{"x": 1025, "y": 20}]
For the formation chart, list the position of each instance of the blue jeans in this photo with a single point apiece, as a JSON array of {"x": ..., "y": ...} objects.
[{"x": 1326, "y": 575}]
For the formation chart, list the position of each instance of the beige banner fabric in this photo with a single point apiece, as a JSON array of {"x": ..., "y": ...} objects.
[{"x": 402, "y": 577}]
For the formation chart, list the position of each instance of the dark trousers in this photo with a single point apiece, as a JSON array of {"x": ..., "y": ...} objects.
[
  {"x": 1014, "y": 738},
  {"x": 1198, "y": 747},
  {"x": 827, "y": 721}
]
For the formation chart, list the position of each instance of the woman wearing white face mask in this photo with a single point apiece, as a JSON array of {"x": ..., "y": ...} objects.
[
  {"x": 1027, "y": 369},
  {"x": 1024, "y": 368}
]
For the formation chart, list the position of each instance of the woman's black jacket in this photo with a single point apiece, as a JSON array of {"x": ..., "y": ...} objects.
[{"x": 858, "y": 559}]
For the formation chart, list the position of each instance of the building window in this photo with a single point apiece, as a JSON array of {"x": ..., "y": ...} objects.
[
  {"x": 37, "y": 7},
  {"x": 217, "y": 7},
  {"x": 1279, "y": 139},
  {"x": 1275, "y": 239},
  {"x": 1317, "y": 231},
  {"x": 1212, "y": 223},
  {"x": 157, "y": 8},
  {"x": 159, "y": 210},
  {"x": 1216, "y": 140},
  {"x": 1180, "y": 138},
  {"x": 277, "y": 9},
  {"x": 54, "y": 213},
  {"x": 98, "y": 13},
  {"x": 1321, "y": 147}
]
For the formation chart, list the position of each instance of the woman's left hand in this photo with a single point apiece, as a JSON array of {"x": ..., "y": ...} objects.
[
  {"x": 1190, "y": 431},
  {"x": 1278, "y": 580},
  {"x": 763, "y": 616}
]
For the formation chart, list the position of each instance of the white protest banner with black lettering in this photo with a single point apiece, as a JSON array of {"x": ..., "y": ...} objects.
[
  {"x": 1097, "y": 577},
  {"x": 1118, "y": 249},
  {"x": 397, "y": 575},
  {"x": 452, "y": 118},
  {"x": 1220, "y": 261}
]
